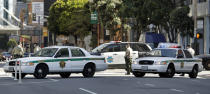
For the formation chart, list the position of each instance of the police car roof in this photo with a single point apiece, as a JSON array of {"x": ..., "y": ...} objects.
[
  {"x": 62, "y": 47},
  {"x": 170, "y": 48}
]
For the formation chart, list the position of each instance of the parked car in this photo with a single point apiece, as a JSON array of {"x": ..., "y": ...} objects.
[
  {"x": 5, "y": 56},
  {"x": 114, "y": 51},
  {"x": 62, "y": 60}
]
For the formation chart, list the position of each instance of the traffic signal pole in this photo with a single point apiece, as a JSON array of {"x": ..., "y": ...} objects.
[{"x": 195, "y": 46}]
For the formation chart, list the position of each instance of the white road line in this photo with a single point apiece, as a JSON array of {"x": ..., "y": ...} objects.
[
  {"x": 176, "y": 90},
  {"x": 87, "y": 91},
  {"x": 54, "y": 80},
  {"x": 150, "y": 85}
]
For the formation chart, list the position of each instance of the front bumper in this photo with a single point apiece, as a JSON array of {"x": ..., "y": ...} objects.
[
  {"x": 149, "y": 68},
  {"x": 24, "y": 69}
]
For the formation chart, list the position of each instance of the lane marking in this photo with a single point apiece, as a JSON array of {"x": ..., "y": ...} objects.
[
  {"x": 88, "y": 91},
  {"x": 54, "y": 80},
  {"x": 150, "y": 85},
  {"x": 176, "y": 90}
]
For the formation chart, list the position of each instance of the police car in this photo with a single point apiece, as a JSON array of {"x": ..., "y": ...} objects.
[
  {"x": 166, "y": 62},
  {"x": 114, "y": 51},
  {"x": 62, "y": 60}
]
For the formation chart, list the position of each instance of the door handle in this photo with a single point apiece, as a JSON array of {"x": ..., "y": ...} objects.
[
  {"x": 134, "y": 53},
  {"x": 115, "y": 54}
]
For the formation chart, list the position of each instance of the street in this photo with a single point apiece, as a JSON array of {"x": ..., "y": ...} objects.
[{"x": 111, "y": 81}]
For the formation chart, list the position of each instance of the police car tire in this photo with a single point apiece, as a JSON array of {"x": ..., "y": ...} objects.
[
  {"x": 138, "y": 74},
  {"x": 194, "y": 72},
  {"x": 65, "y": 74},
  {"x": 170, "y": 71},
  {"x": 206, "y": 65},
  {"x": 44, "y": 71},
  {"x": 22, "y": 75},
  {"x": 162, "y": 75},
  {"x": 89, "y": 70}
]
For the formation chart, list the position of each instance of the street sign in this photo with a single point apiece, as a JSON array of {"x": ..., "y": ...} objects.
[{"x": 94, "y": 18}]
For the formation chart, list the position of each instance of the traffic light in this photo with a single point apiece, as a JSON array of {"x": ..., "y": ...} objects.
[
  {"x": 199, "y": 35},
  {"x": 34, "y": 16}
]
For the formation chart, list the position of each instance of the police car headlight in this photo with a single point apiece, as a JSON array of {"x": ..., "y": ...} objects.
[
  {"x": 160, "y": 62},
  {"x": 134, "y": 62}
]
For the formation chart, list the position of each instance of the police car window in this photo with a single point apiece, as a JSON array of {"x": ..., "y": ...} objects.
[
  {"x": 180, "y": 54},
  {"x": 143, "y": 47},
  {"x": 187, "y": 54},
  {"x": 123, "y": 47},
  {"x": 112, "y": 48},
  {"x": 77, "y": 52},
  {"x": 46, "y": 52},
  {"x": 64, "y": 52}
]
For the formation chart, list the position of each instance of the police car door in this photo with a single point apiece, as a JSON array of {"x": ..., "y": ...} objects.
[
  {"x": 62, "y": 60},
  {"x": 180, "y": 62},
  {"x": 112, "y": 54},
  {"x": 189, "y": 61},
  {"x": 78, "y": 59}
]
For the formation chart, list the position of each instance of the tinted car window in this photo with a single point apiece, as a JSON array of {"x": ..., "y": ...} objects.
[
  {"x": 64, "y": 52},
  {"x": 112, "y": 48},
  {"x": 77, "y": 52},
  {"x": 187, "y": 54}
]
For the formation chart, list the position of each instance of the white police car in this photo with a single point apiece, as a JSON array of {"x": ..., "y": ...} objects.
[
  {"x": 62, "y": 60},
  {"x": 166, "y": 62},
  {"x": 114, "y": 51}
]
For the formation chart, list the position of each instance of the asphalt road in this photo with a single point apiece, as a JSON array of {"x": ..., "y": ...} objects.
[{"x": 105, "y": 85}]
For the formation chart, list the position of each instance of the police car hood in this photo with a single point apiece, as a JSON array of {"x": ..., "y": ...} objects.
[
  {"x": 26, "y": 59},
  {"x": 155, "y": 58}
]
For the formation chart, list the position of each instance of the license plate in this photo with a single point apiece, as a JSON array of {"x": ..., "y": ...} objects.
[{"x": 144, "y": 68}]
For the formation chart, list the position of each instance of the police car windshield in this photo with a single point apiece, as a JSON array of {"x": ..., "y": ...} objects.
[
  {"x": 164, "y": 52},
  {"x": 46, "y": 52},
  {"x": 99, "y": 48}
]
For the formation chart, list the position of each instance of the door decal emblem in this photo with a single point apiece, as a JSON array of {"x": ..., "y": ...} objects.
[
  {"x": 182, "y": 64},
  {"x": 62, "y": 64},
  {"x": 109, "y": 59}
]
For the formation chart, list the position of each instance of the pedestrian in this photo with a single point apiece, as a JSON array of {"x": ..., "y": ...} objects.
[
  {"x": 36, "y": 47},
  {"x": 18, "y": 51},
  {"x": 128, "y": 59},
  {"x": 191, "y": 50}
]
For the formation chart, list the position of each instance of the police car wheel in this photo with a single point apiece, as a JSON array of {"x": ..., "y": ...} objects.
[
  {"x": 65, "y": 74},
  {"x": 22, "y": 75},
  {"x": 162, "y": 75},
  {"x": 194, "y": 72},
  {"x": 170, "y": 71},
  {"x": 41, "y": 72},
  {"x": 138, "y": 74},
  {"x": 89, "y": 70}
]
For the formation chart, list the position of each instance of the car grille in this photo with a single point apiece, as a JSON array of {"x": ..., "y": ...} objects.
[
  {"x": 12, "y": 63},
  {"x": 146, "y": 62}
]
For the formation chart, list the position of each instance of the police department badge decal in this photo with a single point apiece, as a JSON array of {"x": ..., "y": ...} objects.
[{"x": 62, "y": 64}]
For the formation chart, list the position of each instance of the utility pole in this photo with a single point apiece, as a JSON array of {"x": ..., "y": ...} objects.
[{"x": 195, "y": 26}]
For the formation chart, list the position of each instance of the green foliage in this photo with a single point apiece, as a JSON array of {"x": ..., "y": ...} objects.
[
  {"x": 12, "y": 43},
  {"x": 181, "y": 21},
  {"x": 70, "y": 17},
  {"x": 108, "y": 11}
]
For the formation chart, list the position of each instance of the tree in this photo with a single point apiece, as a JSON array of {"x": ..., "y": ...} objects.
[
  {"x": 70, "y": 17},
  {"x": 12, "y": 43},
  {"x": 181, "y": 22},
  {"x": 108, "y": 11}
]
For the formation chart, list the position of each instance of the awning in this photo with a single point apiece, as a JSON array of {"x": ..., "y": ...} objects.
[{"x": 152, "y": 37}]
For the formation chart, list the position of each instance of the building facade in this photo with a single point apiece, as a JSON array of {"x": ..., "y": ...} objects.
[{"x": 203, "y": 25}]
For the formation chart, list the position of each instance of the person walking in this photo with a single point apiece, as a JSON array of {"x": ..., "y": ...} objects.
[
  {"x": 191, "y": 50},
  {"x": 36, "y": 48},
  {"x": 18, "y": 51},
  {"x": 128, "y": 59}
]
